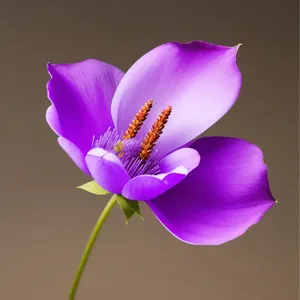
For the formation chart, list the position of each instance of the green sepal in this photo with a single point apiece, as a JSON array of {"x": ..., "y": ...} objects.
[
  {"x": 94, "y": 188},
  {"x": 129, "y": 207}
]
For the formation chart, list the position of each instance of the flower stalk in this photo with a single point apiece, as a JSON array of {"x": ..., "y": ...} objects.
[{"x": 90, "y": 244}]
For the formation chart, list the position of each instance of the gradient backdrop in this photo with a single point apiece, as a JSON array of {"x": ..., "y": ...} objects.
[{"x": 45, "y": 221}]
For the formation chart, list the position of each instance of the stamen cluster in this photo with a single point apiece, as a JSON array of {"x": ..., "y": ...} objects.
[
  {"x": 137, "y": 156},
  {"x": 155, "y": 132}
]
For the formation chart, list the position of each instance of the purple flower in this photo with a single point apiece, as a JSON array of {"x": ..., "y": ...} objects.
[{"x": 135, "y": 134}]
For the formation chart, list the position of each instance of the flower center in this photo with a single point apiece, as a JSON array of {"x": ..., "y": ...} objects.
[{"x": 136, "y": 155}]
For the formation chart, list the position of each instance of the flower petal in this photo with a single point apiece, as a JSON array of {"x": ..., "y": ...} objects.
[
  {"x": 200, "y": 81},
  {"x": 107, "y": 169},
  {"x": 53, "y": 120},
  {"x": 81, "y": 95},
  {"x": 174, "y": 167},
  {"x": 226, "y": 194},
  {"x": 146, "y": 187},
  {"x": 74, "y": 153},
  {"x": 187, "y": 157}
]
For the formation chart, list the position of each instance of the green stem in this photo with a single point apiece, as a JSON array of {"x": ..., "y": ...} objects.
[{"x": 89, "y": 246}]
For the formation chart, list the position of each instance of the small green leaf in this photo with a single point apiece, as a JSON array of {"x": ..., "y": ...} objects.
[
  {"x": 129, "y": 207},
  {"x": 94, "y": 188}
]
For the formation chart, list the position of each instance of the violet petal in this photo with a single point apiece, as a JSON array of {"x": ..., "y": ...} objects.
[
  {"x": 187, "y": 157},
  {"x": 107, "y": 169},
  {"x": 74, "y": 153},
  {"x": 226, "y": 194},
  {"x": 174, "y": 167},
  {"x": 200, "y": 81},
  {"x": 81, "y": 95},
  {"x": 146, "y": 187}
]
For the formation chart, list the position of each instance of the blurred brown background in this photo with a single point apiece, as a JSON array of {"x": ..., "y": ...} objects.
[{"x": 45, "y": 221}]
